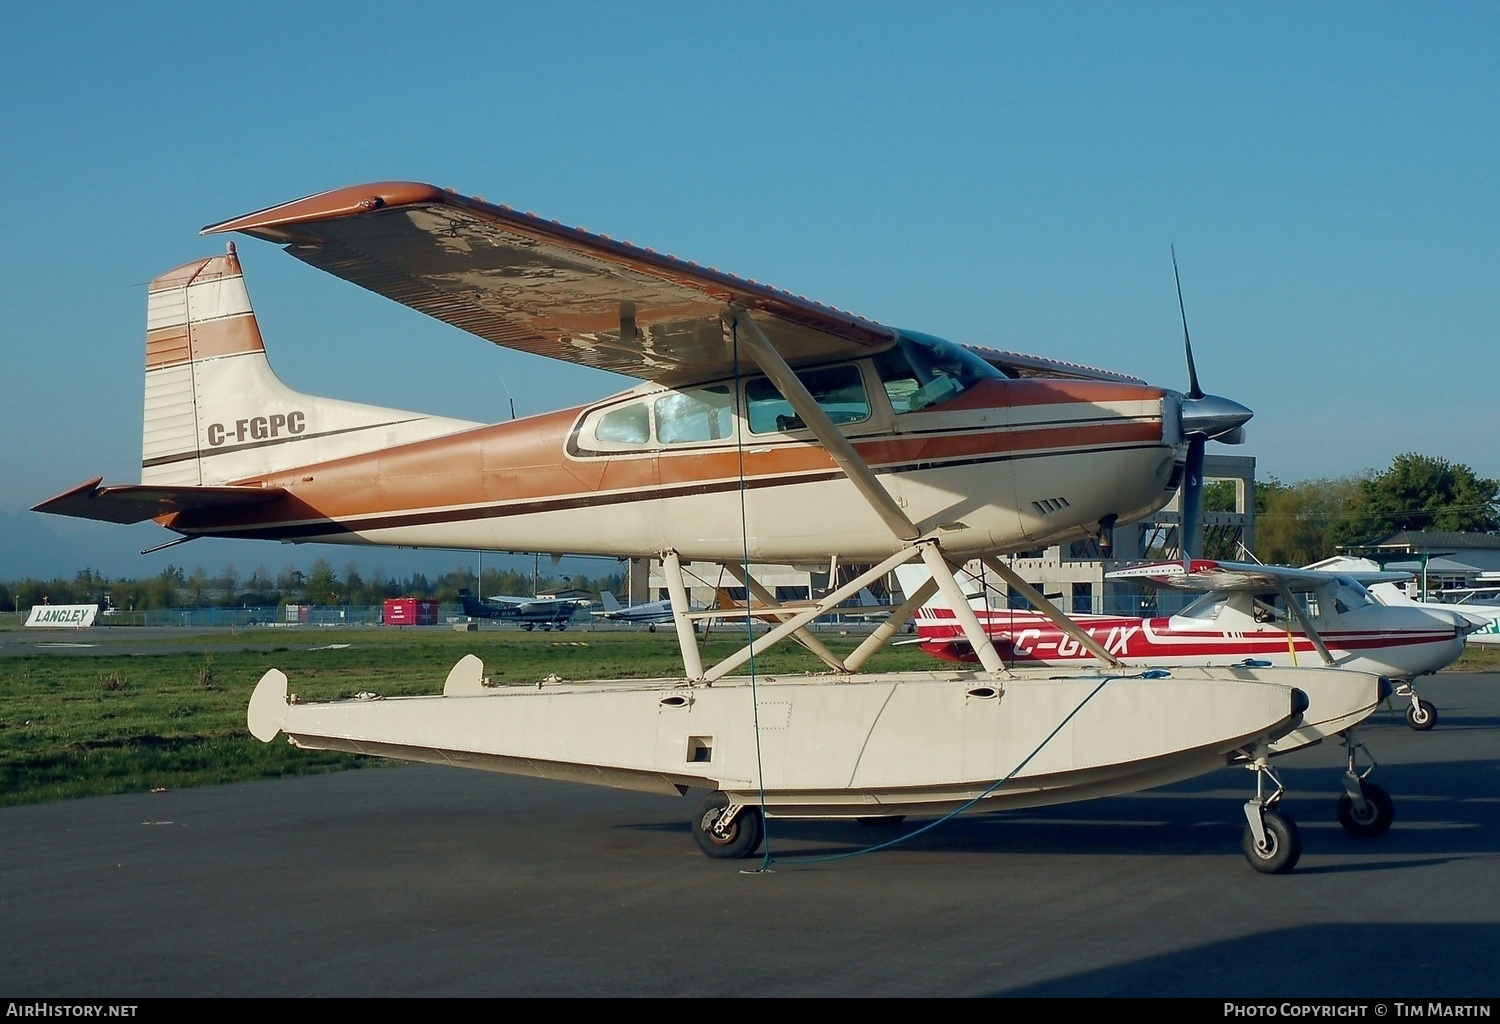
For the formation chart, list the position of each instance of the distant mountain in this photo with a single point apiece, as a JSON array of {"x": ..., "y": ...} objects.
[{"x": 29, "y": 550}]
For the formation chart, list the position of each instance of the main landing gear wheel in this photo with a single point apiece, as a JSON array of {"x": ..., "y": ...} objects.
[
  {"x": 1373, "y": 818},
  {"x": 1421, "y": 715},
  {"x": 1281, "y": 849},
  {"x": 739, "y": 837}
]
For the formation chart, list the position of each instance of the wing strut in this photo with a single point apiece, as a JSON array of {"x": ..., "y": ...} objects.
[
  {"x": 692, "y": 661},
  {"x": 748, "y": 333},
  {"x": 1048, "y": 609},
  {"x": 1308, "y": 629}
]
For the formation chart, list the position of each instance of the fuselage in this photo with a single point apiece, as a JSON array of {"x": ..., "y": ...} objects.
[
  {"x": 725, "y": 468},
  {"x": 1398, "y": 643}
]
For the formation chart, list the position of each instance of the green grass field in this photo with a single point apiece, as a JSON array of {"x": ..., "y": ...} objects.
[
  {"x": 79, "y": 725},
  {"x": 76, "y": 725}
]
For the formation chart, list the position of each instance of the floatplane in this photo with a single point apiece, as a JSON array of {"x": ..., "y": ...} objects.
[{"x": 767, "y": 428}]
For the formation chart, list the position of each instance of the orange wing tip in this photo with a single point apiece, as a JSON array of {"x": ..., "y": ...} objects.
[
  {"x": 84, "y": 491},
  {"x": 339, "y": 202}
]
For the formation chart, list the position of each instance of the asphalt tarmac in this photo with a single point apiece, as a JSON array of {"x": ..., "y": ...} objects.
[{"x": 427, "y": 881}]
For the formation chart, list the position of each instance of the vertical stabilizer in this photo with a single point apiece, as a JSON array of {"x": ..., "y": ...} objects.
[
  {"x": 913, "y": 575},
  {"x": 216, "y": 412}
]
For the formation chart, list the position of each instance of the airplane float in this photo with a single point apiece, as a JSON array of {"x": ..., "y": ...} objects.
[
  {"x": 1248, "y": 613},
  {"x": 767, "y": 428},
  {"x": 530, "y": 612}
]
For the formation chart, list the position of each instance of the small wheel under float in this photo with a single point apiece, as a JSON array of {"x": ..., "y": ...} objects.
[
  {"x": 738, "y": 837},
  {"x": 1371, "y": 819},
  {"x": 1280, "y": 850}
]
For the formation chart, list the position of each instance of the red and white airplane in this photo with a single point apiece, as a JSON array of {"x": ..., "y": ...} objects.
[
  {"x": 766, "y": 429},
  {"x": 1248, "y": 614}
]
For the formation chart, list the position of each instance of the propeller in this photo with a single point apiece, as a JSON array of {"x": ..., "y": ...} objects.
[{"x": 1204, "y": 418}]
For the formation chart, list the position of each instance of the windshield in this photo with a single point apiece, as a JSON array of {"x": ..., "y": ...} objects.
[{"x": 921, "y": 371}]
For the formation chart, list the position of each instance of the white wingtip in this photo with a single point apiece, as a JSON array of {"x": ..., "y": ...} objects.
[{"x": 267, "y": 711}]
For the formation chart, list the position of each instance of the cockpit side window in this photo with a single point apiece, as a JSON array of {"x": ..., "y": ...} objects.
[
  {"x": 921, "y": 372},
  {"x": 686, "y": 417},
  {"x": 1206, "y": 608},
  {"x": 1272, "y": 607},
  {"x": 838, "y": 390}
]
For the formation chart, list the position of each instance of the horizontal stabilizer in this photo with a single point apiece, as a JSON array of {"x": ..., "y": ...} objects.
[{"x": 135, "y": 503}]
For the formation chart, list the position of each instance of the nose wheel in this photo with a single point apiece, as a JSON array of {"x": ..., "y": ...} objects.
[{"x": 1421, "y": 714}]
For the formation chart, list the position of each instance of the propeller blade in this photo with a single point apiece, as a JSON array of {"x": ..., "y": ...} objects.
[{"x": 1194, "y": 391}]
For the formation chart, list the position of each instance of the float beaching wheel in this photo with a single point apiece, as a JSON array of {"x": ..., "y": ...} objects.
[
  {"x": 738, "y": 838},
  {"x": 1373, "y": 818},
  {"x": 1282, "y": 848}
]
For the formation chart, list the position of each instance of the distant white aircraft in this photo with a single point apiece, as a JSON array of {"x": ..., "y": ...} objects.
[{"x": 651, "y": 613}]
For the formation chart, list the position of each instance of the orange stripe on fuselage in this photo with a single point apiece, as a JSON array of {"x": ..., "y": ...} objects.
[{"x": 525, "y": 461}]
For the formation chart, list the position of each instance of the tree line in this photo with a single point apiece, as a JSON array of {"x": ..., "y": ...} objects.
[
  {"x": 177, "y": 587},
  {"x": 1297, "y": 524}
]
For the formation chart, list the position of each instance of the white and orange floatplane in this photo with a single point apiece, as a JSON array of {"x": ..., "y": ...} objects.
[{"x": 766, "y": 429}]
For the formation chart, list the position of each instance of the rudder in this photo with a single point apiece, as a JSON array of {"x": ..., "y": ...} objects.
[{"x": 216, "y": 412}]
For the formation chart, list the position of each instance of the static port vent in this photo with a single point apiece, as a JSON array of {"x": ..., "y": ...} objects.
[{"x": 1049, "y": 505}]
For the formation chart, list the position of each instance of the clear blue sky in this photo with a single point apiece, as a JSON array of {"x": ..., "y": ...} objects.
[{"x": 1010, "y": 174}]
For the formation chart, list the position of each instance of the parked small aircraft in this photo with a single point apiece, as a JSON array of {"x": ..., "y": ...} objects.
[
  {"x": 649, "y": 613},
  {"x": 531, "y": 612},
  {"x": 767, "y": 429},
  {"x": 1249, "y": 613}
]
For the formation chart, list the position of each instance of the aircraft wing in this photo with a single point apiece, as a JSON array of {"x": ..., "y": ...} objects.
[
  {"x": 135, "y": 503},
  {"x": 1207, "y": 574},
  {"x": 535, "y": 285},
  {"x": 509, "y": 602}
]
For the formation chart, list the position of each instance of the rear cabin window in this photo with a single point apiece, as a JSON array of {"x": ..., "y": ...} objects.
[
  {"x": 627, "y": 424},
  {"x": 838, "y": 390}
]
